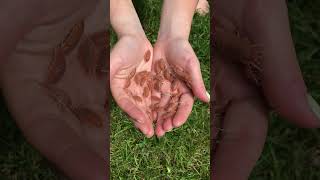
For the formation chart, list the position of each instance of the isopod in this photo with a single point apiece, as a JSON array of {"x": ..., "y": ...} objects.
[
  {"x": 168, "y": 115},
  {"x": 167, "y": 75},
  {"x": 132, "y": 73},
  {"x": 147, "y": 56},
  {"x": 137, "y": 98},
  {"x": 155, "y": 98},
  {"x": 127, "y": 83},
  {"x": 145, "y": 92},
  {"x": 143, "y": 80},
  {"x": 162, "y": 64},
  {"x": 174, "y": 85},
  {"x": 137, "y": 78}
]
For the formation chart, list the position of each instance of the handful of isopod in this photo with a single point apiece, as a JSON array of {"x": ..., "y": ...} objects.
[{"x": 162, "y": 86}]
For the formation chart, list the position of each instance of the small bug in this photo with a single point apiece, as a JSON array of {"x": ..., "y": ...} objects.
[
  {"x": 137, "y": 98},
  {"x": 145, "y": 92},
  {"x": 132, "y": 73},
  {"x": 147, "y": 56}
]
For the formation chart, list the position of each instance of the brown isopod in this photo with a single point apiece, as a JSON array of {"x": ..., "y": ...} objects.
[
  {"x": 143, "y": 80},
  {"x": 157, "y": 85},
  {"x": 168, "y": 115},
  {"x": 155, "y": 98},
  {"x": 175, "y": 85},
  {"x": 162, "y": 64},
  {"x": 172, "y": 106},
  {"x": 132, "y": 73},
  {"x": 127, "y": 83},
  {"x": 137, "y": 78},
  {"x": 167, "y": 75},
  {"x": 146, "y": 92},
  {"x": 137, "y": 98},
  {"x": 157, "y": 67},
  {"x": 147, "y": 56}
]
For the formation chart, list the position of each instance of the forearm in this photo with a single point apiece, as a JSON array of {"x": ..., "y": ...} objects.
[
  {"x": 124, "y": 18},
  {"x": 176, "y": 18}
]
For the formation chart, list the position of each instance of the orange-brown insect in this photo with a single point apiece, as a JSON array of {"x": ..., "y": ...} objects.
[
  {"x": 156, "y": 67},
  {"x": 137, "y": 78},
  {"x": 157, "y": 85},
  {"x": 127, "y": 83},
  {"x": 132, "y": 73},
  {"x": 172, "y": 106},
  {"x": 73, "y": 37},
  {"x": 86, "y": 115},
  {"x": 146, "y": 92},
  {"x": 175, "y": 85},
  {"x": 167, "y": 75},
  {"x": 162, "y": 64},
  {"x": 155, "y": 98},
  {"x": 57, "y": 66},
  {"x": 168, "y": 115},
  {"x": 143, "y": 80},
  {"x": 137, "y": 98},
  {"x": 147, "y": 56}
]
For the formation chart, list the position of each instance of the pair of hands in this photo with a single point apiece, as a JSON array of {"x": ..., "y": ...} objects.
[
  {"x": 242, "y": 129},
  {"x": 128, "y": 54},
  {"x": 173, "y": 47}
]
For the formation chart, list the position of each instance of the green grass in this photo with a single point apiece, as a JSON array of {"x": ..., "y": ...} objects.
[
  {"x": 288, "y": 150},
  {"x": 184, "y": 152}
]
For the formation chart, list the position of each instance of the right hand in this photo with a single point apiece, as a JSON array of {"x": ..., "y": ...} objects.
[{"x": 127, "y": 56}]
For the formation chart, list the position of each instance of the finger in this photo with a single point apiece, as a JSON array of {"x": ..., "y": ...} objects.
[
  {"x": 184, "y": 110},
  {"x": 146, "y": 128},
  {"x": 197, "y": 84},
  {"x": 167, "y": 125},
  {"x": 159, "y": 130},
  {"x": 132, "y": 110},
  {"x": 282, "y": 81},
  {"x": 245, "y": 129}
]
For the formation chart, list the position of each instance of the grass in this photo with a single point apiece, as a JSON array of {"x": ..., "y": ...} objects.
[
  {"x": 288, "y": 152},
  {"x": 184, "y": 152}
]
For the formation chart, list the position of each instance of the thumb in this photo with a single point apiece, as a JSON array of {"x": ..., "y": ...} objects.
[{"x": 197, "y": 83}]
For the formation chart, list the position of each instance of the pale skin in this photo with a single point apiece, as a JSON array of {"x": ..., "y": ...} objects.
[
  {"x": 245, "y": 123},
  {"x": 172, "y": 45},
  {"x": 76, "y": 149}
]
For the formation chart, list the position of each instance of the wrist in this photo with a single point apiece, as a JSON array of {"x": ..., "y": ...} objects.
[{"x": 124, "y": 19}]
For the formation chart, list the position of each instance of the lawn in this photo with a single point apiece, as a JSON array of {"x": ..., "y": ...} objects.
[
  {"x": 184, "y": 152},
  {"x": 289, "y": 151}
]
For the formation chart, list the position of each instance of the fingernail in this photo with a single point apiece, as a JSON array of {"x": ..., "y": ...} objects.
[
  {"x": 314, "y": 106},
  {"x": 208, "y": 95}
]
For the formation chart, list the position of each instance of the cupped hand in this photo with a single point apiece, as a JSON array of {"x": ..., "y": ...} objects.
[
  {"x": 177, "y": 92},
  {"x": 130, "y": 64}
]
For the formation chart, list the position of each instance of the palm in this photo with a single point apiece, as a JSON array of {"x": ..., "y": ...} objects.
[
  {"x": 181, "y": 62},
  {"x": 130, "y": 62}
]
